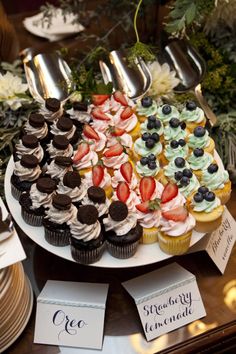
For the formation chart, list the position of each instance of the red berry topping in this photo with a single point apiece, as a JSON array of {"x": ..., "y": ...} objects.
[
  {"x": 143, "y": 207},
  {"x": 115, "y": 131},
  {"x": 126, "y": 170},
  {"x": 127, "y": 113},
  {"x": 99, "y": 99},
  {"x": 114, "y": 150},
  {"x": 147, "y": 187},
  {"x": 170, "y": 191},
  {"x": 90, "y": 133},
  {"x": 82, "y": 150},
  {"x": 97, "y": 175},
  {"x": 178, "y": 214},
  {"x": 149, "y": 205},
  {"x": 123, "y": 191},
  {"x": 99, "y": 114},
  {"x": 119, "y": 97}
]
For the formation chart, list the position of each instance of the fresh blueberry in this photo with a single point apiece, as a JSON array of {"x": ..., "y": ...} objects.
[
  {"x": 144, "y": 161},
  {"x": 199, "y": 131},
  {"x": 166, "y": 109},
  {"x": 179, "y": 162},
  {"x": 152, "y": 165},
  {"x": 174, "y": 122},
  {"x": 155, "y": 137},
  {"x": 198, "y": 152},
  {"x": 178, "y": 175},
  {"x": 157, "y": 124},
  {"x": 203, "y": 190},
  {"x": 150, "y": 143},
  {"x": 146, "y": 136},
  {"x": 212, "y": 168},
  {"x": 152, "y": 119},
  {"x": 146, "y": 101},
  {"x": 191, "y": 105},
  {"x": 198, "y": 197},
  {"x": 151, "y": 157},
  {"x": 183, "y": 125},
  {"x": 182, "y": 142},
  {"x": 184, "y": 181},
  {"x": 209, "y": 196},
  {"x": 174, "y": 144},
  {"x": 187, "y": 173},
  {"x": 150, "y": 125}
]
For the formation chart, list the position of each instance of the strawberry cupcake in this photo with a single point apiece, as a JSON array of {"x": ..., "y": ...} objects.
[
  {"x": 84, "y": 158},
  {"x": 125, "y": 174},
  {"x": 99, "y": 177},
  {"x": 96, "y": 140},
  {"x": 100, "y": 101},
  {"x": 127, "y": 196},
  {"x": 119, "y": 100},
  {"x": 100, "y": 120},
  {"x": 115, "y": 135},
  {"x": 171, "y": 197},
  {"x": 127, "y": 120},
  {"x": 114, "y": 157}
]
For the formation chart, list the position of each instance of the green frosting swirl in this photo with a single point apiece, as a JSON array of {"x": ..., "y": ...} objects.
[
  {"x": 141, "y": 149},
  {"x": 206, "y": 206},
  {"x": 191, "y": 187},
  {"x": 144, "y": 128},
  {"x": 170, "y": 169},
  {"x": 165, "y": 118},
  {"x": 174, "y": 133},
  {"x": 201, "y": 162},
  {"x": 181, "y": 151},
  {"x": 146, "y": 111},
  {"x": 200, "y": 142},
  {"x": 146, "y": 171},
  {"x": 215, "y": 180},
  {"x": 196, "y": 116}
]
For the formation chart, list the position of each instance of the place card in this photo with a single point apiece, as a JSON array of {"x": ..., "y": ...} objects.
[
  {"x": 167, "y": 298},
  {"x": 71, "y": 314}
]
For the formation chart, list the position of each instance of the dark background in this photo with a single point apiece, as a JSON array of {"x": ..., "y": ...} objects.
[{"x": 17, "y": 6}]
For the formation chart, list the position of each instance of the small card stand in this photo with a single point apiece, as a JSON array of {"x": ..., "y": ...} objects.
[
  {"x": 220, "y": 242},
  {"x": 71, "y": 314},
  {"x": 167, "y": 298}
]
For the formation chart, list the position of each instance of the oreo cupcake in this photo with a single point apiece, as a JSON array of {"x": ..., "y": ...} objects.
[
  {"x": 37, "y": 126},
  {"x": 122, "y": 231},
  {"x": 64, "y": 126},
  {"x": 51, "y": 110},
  {"x": 58, "y": 167},
  {"x": 25, "y": 173},
  {"x": 97, "y": 197},
  {"x": 59, "y": 146},
  {"x": 87, "y": 241},
  {"x": 58, "y": 216},
  {"x": 28, "y": 145},
  {"x": 72, "y": 185},
  {"x": 34, "y": 202}
]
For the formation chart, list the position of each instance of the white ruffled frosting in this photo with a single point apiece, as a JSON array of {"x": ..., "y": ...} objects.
[
  {"x": 53, "y": 152},
  {"x": 102, "y": 208},
  {"x": 150, "y": 219},
  {"x": 56, "y": 131},
  {"x": 121, "y": 227},
  {"x": 76, "y": 194},
  {"x": 57, "y": 171},
  {"x": 40, "y": 132},
  {"x": 173, "y": 228},
  {"x": 49, "y": 115},
  {"x": 27, "y": 174},
  {"x": 80, "y": 116},
  {"x": 84, "y": 232},
  {"x": 61, "y": 216},
  {"x": 23, "y": 150},
  {"x": 39, "y": 199}
]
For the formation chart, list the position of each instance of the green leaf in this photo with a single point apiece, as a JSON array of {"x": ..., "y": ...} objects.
[{"x": 190, "y": 13}]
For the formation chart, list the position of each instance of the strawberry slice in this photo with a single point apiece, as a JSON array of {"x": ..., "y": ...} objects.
[
  {"x": 127, "y": 113},
  {"x": 147, "y": 187},
  {"x": 97, "y": 174},
  {"x": 126, "y": 170},
  {"x": 99, "y": 99},
  {"x": 115, "y": 131},
  {"x": 170, "y": 191},
  {"x": 149, "y": 205},
  {"x": 177, "y": 214},
  {"x": 82, "y": 150},
  {"x": 119, "y": 97},
  {"x": 90, "y": 133},
  {"x": 143, "y": 207},
  {"x": 99, "y": 114},
  {"x": 114, "y": 150},
  {"x": 123, "y": 191}
]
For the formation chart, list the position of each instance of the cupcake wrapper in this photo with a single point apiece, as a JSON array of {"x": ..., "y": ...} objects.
[
  {"x": 87, "y": 256},
  {"x": 15, "y": 192},
  {"x": 56, "y": 238},
  {"x": 31, "y": 219},
  {"x": 122, "y": 251},
  {"x": 149, "y": 236},
  {"x": 174, "y": 245}
]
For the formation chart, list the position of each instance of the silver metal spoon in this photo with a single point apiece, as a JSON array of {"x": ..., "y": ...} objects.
[
  {"x": 190, "y": 68},
  {"x": 133, "y": 80},
  {"x": 48, "y": 75}
]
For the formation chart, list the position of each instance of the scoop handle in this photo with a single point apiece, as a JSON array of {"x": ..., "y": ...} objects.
[{"x": 204, "y": 105}]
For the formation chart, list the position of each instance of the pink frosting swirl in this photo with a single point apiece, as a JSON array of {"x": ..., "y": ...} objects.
[
  {"x": 127, "y": 124},
  {"x": 119, "y": 178},
  {"x": 157, "y": 192},
  {"x": 125, "y": 140},
  {"x": 89, "y": 160},
  {"x": 102, "y": 125},
  {"x": 105, "y": 182},
  {"x": 97, "y": 145},
  {"x": 115, "y": 161},
  {"x": 115, "y": 105},
  {"x": 105, "y": 106},
  {"x": 173, "y": 228},
  {"x": 179, "y": 200},
  {"x": 148, "y": 220}
]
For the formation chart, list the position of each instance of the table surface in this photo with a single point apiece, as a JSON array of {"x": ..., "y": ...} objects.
[{"x": 213, "y": 333}]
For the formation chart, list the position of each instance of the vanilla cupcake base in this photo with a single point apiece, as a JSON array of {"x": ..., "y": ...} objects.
[
  {"x": 192, "y": 125},
  {"x": 174, "y": 245},
  {"x": 208, "y": 222},
  {"x": 150, "y": 235},
  {"x": 224, "y": 194}
]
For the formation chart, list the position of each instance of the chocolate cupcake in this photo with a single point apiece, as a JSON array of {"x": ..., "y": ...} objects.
[
  {"x": 28, "y": 145},
  {"x": 64, "y": 126},
  {"x": 37, "y": 126},
  {"x": 73, "y": 186},
  {"x": 34, "y": 202},
  {"x": 51, "y": 110},
  {"x": 59, "y": 146},
  {"x": 58, "y": 167},
  {"x": 57, "y": 219},
  {"x": 25, "y": 173},
  {"x": 87, "y": 241},
  {"x": 122, "y": 231}
]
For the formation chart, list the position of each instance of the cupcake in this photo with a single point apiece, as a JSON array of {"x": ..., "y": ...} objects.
[
  {"x": 127, "y": 120},
  {"x": 25, "y": 173},
  {"x": 37, "y": 126},
  {"x": 79, "y": 114},
  {"x": 175, "y": 230},
  {"x": 72, "y": 185},
  {"x": 101, "y": 120},
  {"x": 34, "y": 202},
  {"x": 59, "y": 167},
  {"x": 178, "y": 164},
  {"x": 59, "y": 146},
  {"x": 147, "y": 144},
  {"x": 175, "y": 130},
  {"x": 207, "y": 210},
  {"x": 87, "y": 242},
  {"x": 152, "y": 125},
  {"x": 199, "y": 160},
  {"x": 100, "y": 101},
  {"x": 171, "y": 198},
  {"x": 84, "y": 158},
  {"x": 174, "y": 148},
  {"x": 187, "y": 182},
  {"x": 115, "y": 134},
  {"x": 125, "y": 174},
  {"x": 114, "y": 157},
  {"x": 217, "y": 180},
  {"x": 193, "y": 116},
  {"x": 122, "y": 231},
  {"x": 119, "y": 100},
  {"x": 149, "y": 166},
  {"x": 127, "y": 196},
  {"x": 64, "y": 126},
  {"x": 97, "y": 140},
  {"x": 28, "y": 145},
  {"x": 57, "y": 219},
  {"x": 99, "y": 177},
  {"x": 146, "y": 107},
  {"x": 166, "y": 112},
  {"x": 52, "y": 109},
  {"x": 96, "y": 196},
  {"x": 200, "y": 139}
]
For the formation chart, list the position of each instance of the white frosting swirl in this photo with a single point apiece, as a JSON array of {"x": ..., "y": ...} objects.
[
  {"x": 121, "y": 227},
  {"x": 23, "y": 150},
  {"x": 27, "y": 174},
  {"x": 80, "y": 116},
  {"x": 57, "y": 171},
  {"x": 51, "y": 116},
  {"x": 56, "y": 131},
  {"x": 84, "y": 232},
  {"x": 39, "y": 199},
  {"x": 53, "y": 152},
  {"x": 150, "y": 219},
  {"x": 102, "y": 208},
  {"x": 40, "y": 132},
  {"x": 76, "y": 194},
  {"x": 61, "y": 216}
]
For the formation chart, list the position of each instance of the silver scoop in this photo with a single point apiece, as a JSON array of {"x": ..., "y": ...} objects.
[
  {"x": 48, "y": 75},
  {"x": 133, "y": 80},
  {"x": 190, "y": 68}
]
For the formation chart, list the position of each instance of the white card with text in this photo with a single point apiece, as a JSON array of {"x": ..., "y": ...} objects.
[
  {"x": 71, "y": 314},
  {"x": 167, "y": 298}
]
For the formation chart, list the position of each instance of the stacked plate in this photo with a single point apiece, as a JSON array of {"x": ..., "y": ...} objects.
[{"x": 16, "y": 301}]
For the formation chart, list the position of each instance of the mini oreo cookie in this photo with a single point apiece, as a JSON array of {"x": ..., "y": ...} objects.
[
  {"x": 64, "y": 124},
  {"x": 60, "y": 142},
  {"x": 63, "y": 161},
  {"x": 96, "y": 194},
  {"x": 46, "y": 185},
  {"x": 36, "y": 120},
  {"x": 29, "y": 161},
  {"x": 80, "y": 106},
  {"x": 30, "y": 141},
  {"x": 72, "y": 179},
  {"x": 61, "y": 201},
  {"x": 87, "y": 214},
  {"x": 52, "y": 104},
  {"x": 118, "y": 210}
]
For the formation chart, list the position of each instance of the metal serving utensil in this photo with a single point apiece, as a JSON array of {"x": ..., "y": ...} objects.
[
  {"x": 190, "y": 67},
  {"x": 48, "y": 75},
  {"x": 133, "y": 80}
]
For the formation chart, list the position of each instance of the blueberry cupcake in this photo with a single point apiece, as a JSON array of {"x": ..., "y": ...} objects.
[
  {"x": 37, "y": 126},
  {"x": 177, "y": 164},
  {"x": 146, "y": 145},
  {"x": 152, "y": 125},
  {"x": 193, "y": 116},
  {"x": 146, "y": 107},
  {"x": 28, "y": 145},
  {"x": 175, "y": 130},
  {"x": 174, "y": 148},
  {"x": 57, "y": 219},
  {"x": 122, "y": 231},
  {"x": 59, "y": 167},
  {"x": 34, "y": 202},
  {"x": 166, "y": 112},
  {"x": 72, "y": 185},
  {"x": 96, "y": 196},
  {"x": 25, "y": 173},
  {"x": 201, "y": 139},
  {"x": 199, "y": 160},
  {"x": 87, "y": 241},
  {"x": 187, "y": 182},
  {"x": 149, "y": 166}
]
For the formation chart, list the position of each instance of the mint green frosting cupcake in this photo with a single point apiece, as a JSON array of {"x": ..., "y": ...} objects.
[
  {"x": 141, "y": 149},
  {"x": 195, "y": 116},
  {"x": 201, "y": 162},
  {"x": 191, "y": 187},
  {"x": 205, "y": 206},
  {"x": 171, "y": 168},
  {"x": 146, "y": 171},
  {"x": 181, "y": 151},
  {"x": 146, "y": 111},
  {"x": 215, "y": 180},
  {"x": 199, "y": 142},
  {"x": 144, "y": 128},
  {"x": 174, "y": 113},
  {"x": 174, "y": 133}
]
